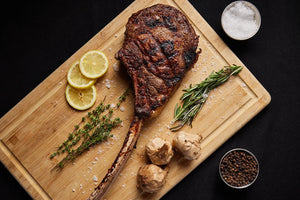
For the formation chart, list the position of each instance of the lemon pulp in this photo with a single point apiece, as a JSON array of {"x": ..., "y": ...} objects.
[
  {"x": 93, "y": 64},
  {"x": 81, "y": 99},
  {"x": 76, "y": 79}
]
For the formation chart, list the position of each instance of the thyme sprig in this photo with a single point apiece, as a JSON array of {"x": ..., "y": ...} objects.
[
  {"x": 196, "y": 95},
  {"x": 93, "y": 129}
]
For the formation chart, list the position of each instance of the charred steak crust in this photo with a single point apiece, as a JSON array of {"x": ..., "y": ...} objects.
[{"x": 160, "y": 46}]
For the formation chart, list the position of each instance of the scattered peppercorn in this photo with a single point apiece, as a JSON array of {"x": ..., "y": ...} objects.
[{"x": 239, "y": 168}]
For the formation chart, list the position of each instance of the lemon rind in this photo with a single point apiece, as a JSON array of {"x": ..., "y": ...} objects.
[
  {"x": 73, "y": 105},
  {"x": 84, "y": 73},
  {"x": 92, "y": 82}
]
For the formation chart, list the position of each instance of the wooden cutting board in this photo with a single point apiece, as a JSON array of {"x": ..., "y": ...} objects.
[{"x": 33, "y": 129}]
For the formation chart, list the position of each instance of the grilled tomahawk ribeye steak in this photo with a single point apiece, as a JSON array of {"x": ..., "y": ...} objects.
[{"x": 160, "y": 46}]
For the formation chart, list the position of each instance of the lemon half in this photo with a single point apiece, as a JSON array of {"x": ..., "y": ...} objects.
[
  {"x": 93, "y": 64},
  {"x": 81, "y": 99},
  {"x": 76, "y": 79}
]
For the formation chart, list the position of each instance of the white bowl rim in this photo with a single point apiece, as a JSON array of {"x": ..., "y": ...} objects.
[{"x": 256, "y": 13}]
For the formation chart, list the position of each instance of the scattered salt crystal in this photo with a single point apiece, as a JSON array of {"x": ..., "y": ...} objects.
[
  {"x": 95, "y": 178},
  {"x": 95, "y": 183},
  {"x": 83, "y": 192},
  {"x": 107, "y": 83},
  {"x": 122, "y": 109},
  {"x": 73, "y": 190},
  {"x": 96, "y": 158},
  {"x": 124, "y": 185},
  {"x": 244, "y": 85},
  {"x": 116, "y": 67},
  {"x": 109, "y": 49},
  {"x": 112, "y": 105},
  {"x": 116, "y": 35},
  {"x": 94, "y": 162}
]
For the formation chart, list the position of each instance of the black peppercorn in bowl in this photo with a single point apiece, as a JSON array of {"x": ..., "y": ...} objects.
[{"x": 238, "y": 168}]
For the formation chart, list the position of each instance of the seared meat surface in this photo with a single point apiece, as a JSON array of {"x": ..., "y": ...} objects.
[{"x": 160, "y": 45}]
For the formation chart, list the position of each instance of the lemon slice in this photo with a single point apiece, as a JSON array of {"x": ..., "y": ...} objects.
[
  {"x": 81, "y": 99},
  {"x": 76, "y": 79},
  {"x": 93, "y": 64}
]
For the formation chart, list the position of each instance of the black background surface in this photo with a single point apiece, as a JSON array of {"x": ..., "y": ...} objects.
[{"x": 38, "y": 36}]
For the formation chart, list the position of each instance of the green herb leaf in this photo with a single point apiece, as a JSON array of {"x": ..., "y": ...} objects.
[
  {"x": 97, "y": 128},
  {"x": 196, "y": 95}
]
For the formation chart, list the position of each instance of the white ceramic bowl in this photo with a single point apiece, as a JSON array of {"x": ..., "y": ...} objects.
[{"x": 229, "y": 32}]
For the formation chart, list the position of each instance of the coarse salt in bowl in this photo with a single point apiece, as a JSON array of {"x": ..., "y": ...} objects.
[{"x": 241, "y": 20}]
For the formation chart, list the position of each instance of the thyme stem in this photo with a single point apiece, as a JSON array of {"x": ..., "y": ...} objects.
[{"x": 97, "y": 128}]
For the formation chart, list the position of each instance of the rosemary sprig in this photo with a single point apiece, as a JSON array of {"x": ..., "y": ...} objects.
[
  {"x": 196, "y": 95},
  {"x": 96, "y": 127}
]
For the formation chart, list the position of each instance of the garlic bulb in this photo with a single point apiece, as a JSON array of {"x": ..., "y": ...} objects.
[
  {"x": 159, "y": 151},
  {"x": 151, "y": 178},
  {"x": 188, "y": 144}
]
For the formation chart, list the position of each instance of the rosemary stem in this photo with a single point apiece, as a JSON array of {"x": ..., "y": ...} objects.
[{"x": 196, "y": 95}]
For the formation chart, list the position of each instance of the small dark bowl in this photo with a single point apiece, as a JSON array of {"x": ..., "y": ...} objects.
[{"x": 242, "y": 186}]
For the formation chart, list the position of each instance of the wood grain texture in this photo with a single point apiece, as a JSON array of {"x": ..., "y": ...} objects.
[{"x": 44, "y": 113}]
